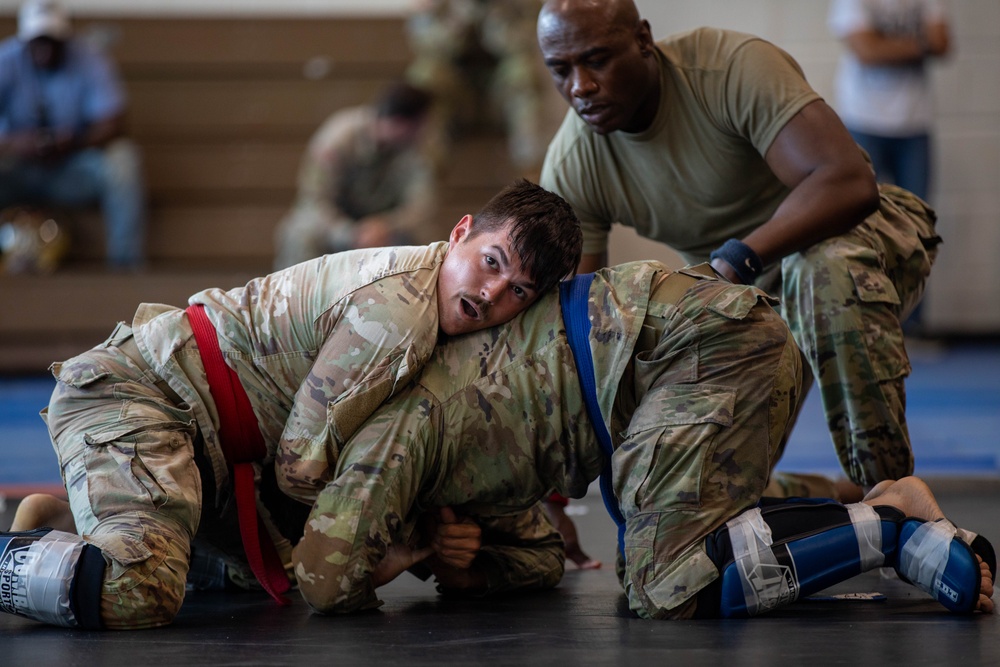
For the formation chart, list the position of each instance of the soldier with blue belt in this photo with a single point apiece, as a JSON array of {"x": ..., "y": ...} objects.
[{"x": 696, "y": 381}]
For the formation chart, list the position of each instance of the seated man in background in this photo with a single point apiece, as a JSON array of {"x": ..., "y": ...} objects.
[
  {"x": 697, "y": 383},
  {"x": 363, "y": 182},
  {"x": 159, "y": 428},
  {"x": 62, "y": 111}
]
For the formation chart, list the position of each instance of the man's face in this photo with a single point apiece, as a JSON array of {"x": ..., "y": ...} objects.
[
  {"x": 481, "y": 283},
  {"x": 605, "y": 74},
  {"x": 46, "y": 53}
]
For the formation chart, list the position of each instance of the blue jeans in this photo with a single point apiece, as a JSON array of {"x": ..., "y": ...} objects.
[
  {"x": 110, "y": 177},
  {"x": 903, "y": 161}
]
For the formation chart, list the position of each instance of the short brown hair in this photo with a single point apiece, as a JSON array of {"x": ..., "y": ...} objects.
[{"x": 543, "y": 229}]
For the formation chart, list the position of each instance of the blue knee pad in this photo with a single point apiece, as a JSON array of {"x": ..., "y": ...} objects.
[
  {"x": 776, "y": 553},
  {"x": 779, "y": 552},
  {"x": 934, "y": 559}
]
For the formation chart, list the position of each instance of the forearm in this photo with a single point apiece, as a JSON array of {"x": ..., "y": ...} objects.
[
  {"x": 822, "y": 206},
  {"x": 9, "y": 145},
  {"x": 412, "y": 218},
  {"x": 24, "y": 144},
  {"x": 875, "y": 48},
  {"x": 355, "y": 538},
  {"x": 332, "y": 562},
  {"x": 100, "y": 133},
  {"x": 831, "y": 186},
  {"x": 301, "y": 468}
]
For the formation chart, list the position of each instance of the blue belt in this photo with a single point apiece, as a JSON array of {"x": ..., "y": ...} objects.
[{"x": 573, "y": 296}]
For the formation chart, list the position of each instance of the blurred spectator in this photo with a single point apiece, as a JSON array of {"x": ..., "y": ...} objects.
[
  {"x": 62, "y": 112},
  {"x": 476, "y": 56},
  {"x": 363, "y": 182},
  {"x": 882, "y": 88}
]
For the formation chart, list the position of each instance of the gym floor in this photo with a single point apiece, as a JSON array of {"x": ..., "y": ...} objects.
[{"x": 585, "y": 619}]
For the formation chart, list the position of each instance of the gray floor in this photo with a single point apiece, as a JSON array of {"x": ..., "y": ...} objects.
[{"x": 583, "y": 621}]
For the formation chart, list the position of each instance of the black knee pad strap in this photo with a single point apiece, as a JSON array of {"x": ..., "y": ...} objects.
[{"x": 85, "y": 591}]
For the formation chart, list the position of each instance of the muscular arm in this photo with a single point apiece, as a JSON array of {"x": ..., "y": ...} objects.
[
  {"x": 832, "y": 186},
  {"x": 874, "y": 48}
]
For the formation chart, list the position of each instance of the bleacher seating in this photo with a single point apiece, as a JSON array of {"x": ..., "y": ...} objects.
[{"x": 222, "y": 109}]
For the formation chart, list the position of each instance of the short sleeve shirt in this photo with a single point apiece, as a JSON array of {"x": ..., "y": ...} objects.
[{"x": 697, "y": 176}]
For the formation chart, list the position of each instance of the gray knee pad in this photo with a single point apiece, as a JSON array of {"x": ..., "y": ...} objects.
[{"x": 52, "y": 577}]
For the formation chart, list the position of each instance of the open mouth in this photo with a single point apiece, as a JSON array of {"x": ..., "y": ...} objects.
[{"x": 469, "y": 309}]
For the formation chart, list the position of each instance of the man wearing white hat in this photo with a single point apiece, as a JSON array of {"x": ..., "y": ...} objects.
[{"x": 62, "y": 109}]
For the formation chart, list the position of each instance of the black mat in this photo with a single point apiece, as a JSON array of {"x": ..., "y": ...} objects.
[{"x": 582, "y": 622}]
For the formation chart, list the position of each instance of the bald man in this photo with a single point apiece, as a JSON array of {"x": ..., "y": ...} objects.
[{"x": 713, "y": 142}]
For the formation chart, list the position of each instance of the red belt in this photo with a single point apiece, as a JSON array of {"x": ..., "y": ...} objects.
[{"x": 242, "y": 444}]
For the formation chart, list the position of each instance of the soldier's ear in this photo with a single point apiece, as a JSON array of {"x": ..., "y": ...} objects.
[
  {"x": 644, "y": 37},
  {"x": 460, "y": 231}
]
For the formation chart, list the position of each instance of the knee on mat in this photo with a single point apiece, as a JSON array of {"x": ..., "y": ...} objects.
[{"x": 146, "y": 576}]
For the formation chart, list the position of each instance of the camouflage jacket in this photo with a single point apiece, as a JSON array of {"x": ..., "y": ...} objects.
[
  {"x": 494, "y": 422},
  {"x": 346, "y": 177},
  {"x": 317, "y": 348}
]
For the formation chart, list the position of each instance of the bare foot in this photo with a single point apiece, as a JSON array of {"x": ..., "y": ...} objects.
[
  {"x": 567, "y": 529},
  {"x": 41, "y": 510},
  {"x": 581, "y": 559},
  {"x": 913, "y": 497},
  {"x": 985, "y": 604},
  {"x": 910, "y": 495}
]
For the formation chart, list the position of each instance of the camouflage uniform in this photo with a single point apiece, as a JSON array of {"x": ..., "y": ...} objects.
[
  {"x": 844, "y": 299},
  {"x": 697, "y": 379},
  {"x": 317, "y": 347},
  {"x": 344, "y": 178}
]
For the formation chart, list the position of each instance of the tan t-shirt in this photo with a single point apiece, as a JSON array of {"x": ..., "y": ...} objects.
[{"x": 696, "y": 177}]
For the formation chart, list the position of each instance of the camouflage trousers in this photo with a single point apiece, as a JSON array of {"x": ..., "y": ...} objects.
[
  {"x": 126, "y": 451},
  {"x": 714, "y": 388},
  {"x": 844, "y": 300}
]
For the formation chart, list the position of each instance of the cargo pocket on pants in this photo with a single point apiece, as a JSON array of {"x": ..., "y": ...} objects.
[
  {"x": 144, "y": 465},
  {"x": 659, "y": 465},
  {"x": 879, "y": 305}
]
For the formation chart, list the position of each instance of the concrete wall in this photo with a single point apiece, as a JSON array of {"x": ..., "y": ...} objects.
[{"x": 964, "y": 293}]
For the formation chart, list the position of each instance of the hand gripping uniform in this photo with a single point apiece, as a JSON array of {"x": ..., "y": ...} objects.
[
  {"x": 697, "y": 177},
  {"x": 697, "y": 382},
  {"x": 136, "y": 429}
]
